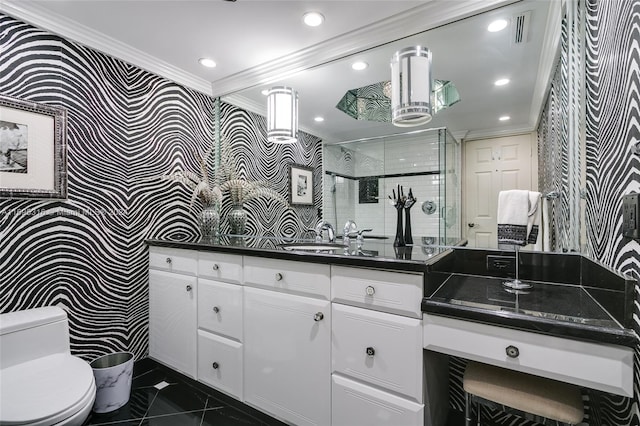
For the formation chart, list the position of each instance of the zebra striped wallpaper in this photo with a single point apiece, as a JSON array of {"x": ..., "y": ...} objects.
[{"x": 126, "y": 127}]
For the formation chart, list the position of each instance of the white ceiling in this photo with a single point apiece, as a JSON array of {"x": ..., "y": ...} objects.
[{"x": 257, "y": 42}]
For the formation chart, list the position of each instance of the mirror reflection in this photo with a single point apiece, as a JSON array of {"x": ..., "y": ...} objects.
[{"x": 502, "y": 78}]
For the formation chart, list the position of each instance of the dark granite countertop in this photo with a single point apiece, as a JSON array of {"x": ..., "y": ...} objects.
[
  {"x": 576, "y": 307},
  {"x": 374, "y": 253}
]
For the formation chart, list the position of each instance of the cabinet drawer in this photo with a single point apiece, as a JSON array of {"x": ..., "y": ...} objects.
[
  {"x": 220, "y": 363},
  {"x": 378, "y": 348},
  {"x": 394, "y": 292},
  {"x": 220, "y": 266},
  {"x": 173, "y": 260},
  {"x": 290, "y": 276},
  {"x": 356, "y": 404},
  {"x": 220, "y": 308},
  {"x": 599, "y": 366}
]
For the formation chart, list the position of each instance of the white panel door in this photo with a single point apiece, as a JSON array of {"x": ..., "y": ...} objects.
[
  {"x": 287, "y": 356},
  {"x": 172, "y": 320},
  {"x": 491, "y": 166}
]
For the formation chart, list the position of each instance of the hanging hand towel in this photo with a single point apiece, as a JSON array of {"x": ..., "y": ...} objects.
[
  {"x": 533, "y": 222},
  {"x": 513, "y": 217}
]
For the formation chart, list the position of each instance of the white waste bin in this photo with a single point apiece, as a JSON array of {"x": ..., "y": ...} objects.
[{"x": 113, "y": 375}]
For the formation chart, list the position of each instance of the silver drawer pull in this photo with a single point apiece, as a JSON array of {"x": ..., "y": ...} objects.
[
  {"x": 512, "y": 351},
  {"x": 188, "y": 288},
  {"x": 370, "y": 290},
  {"x": 371, "y": 351},
  {"x": 168, "y": 260},
  {"x": 319, "y": 316},
  {"x": 216, "y": 309},
  {"x": 216, "y": 266},
  {"x": 215, "y": 365},
  {"x": 279, "y": 276}
]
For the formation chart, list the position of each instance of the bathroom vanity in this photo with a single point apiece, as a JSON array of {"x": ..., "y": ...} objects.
[{"x": 361, "y": 336}]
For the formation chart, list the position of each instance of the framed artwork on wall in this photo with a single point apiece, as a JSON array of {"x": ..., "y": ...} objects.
[
  {"x": 33, "y": 150},
  {"x": 300, "y": 185}
]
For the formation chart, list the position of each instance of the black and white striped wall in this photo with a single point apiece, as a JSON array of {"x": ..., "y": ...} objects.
[{"x": 126, "y": 127}]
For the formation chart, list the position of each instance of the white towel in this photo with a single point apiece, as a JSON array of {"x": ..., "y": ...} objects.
[{"x": 518, "y": 217}]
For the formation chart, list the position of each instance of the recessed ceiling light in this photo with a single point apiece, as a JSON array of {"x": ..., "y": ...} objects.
[
  {"x": 497, "y": 25},
  {"x": 504, "y": 118},
  {"x": 207, "y": 62},
  {"x": 359, "y": 65},
  {"x": 502, "y": 82},
  {"x": 319, "y": 119},
  {"x": 313, "y": 19}
]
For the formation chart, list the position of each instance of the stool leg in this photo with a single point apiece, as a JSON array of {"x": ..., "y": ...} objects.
[
  {"x": 467, "y": 409},
  {"x": 478, "y": 410}
]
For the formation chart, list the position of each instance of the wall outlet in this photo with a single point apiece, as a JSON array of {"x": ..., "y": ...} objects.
[
  {"x": 503, "y": 264},
  {"x": 631, "y": 216}
]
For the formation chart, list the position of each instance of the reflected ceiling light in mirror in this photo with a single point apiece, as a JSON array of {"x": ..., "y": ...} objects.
[
  {"x": 502, "y": 82},
  {"x": 313, "y": 19},
  {"x": 411, "y": 87},
  {"x": 497, "y": 25},
  {"x": 318, "y": 119},
  {"x": 282, "y": 115},
  {"x": 504, "y": 118},
  {"x": 207, "y": 62},
  {"x": 359, "y": 65}
]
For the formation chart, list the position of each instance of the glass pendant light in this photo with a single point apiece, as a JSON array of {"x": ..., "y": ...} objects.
[
  {"x": 282, "y": 115},
  {"x": 411, "y": 87}
]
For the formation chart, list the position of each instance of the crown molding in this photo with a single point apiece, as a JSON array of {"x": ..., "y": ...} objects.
[
  {"x": 71, "y": 30},
  {"x": 495, "y": 133},
  {"x": 430, "y": 15}
]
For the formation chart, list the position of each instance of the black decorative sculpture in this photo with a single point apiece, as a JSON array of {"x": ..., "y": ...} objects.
[
  {"x": 408, "y": 203},
  {"x": 398, "y": 203}
]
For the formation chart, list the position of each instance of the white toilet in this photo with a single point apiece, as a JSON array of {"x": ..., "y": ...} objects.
[{"x": 41, "y": 383}]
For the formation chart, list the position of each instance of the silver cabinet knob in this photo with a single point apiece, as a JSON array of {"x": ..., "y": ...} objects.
[
  {"x": 279, "y": 276},
  {"x": 216, "y": 309},
  {"x": 371, "y": 351},
  {"x": 512, "y": 351},
  {"x": 215, "y": 266},
  {"x": 215, "y": 365},
  {"x": 319, "y": 316},
  {"x": 370, "y": 290},
  {"x": 188, "y": 287},
  {"x": 168, "y": 260}
]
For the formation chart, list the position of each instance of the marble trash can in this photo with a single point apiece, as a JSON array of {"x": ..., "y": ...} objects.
[{"x": 113, "y": 375}]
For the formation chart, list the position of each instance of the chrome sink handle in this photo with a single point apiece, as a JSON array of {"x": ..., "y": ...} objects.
[{"x": 325, "y": 226}]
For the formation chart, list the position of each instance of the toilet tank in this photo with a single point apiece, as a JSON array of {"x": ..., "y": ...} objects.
[{"x": 32, "y": 333}]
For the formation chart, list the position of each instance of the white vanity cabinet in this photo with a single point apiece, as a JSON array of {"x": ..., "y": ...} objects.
[
  {"x": 287, "y": 340},
  {"x": 172, "y": 308},
  {"x": 376, "y": 354},
  {"x": 220, "y": 322}
]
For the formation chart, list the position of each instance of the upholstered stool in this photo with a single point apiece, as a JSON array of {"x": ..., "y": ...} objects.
[{"x": 523, "y": 392}]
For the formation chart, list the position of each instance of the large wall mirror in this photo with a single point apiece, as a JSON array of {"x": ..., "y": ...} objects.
[{"x": 465, "y": 53}]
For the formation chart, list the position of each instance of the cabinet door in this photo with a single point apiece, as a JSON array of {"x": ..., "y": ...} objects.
[
  {"x": 172, "y": 320},
  {"x": 220, "y": 363},
  {"x": 220, "y": 308},
  {"x": 287, "y": 356}
]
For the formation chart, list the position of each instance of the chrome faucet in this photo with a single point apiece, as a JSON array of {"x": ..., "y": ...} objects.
[
  {"x": 325, "y": 226},
  {"x": 349, "y": 231}
]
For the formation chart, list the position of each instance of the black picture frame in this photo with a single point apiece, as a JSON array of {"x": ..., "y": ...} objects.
[{"x": 300, "y": 185}]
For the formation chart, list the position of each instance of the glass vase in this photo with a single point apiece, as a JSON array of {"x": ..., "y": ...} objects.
[
  {"x": 209, "y": 221},
  {"x": 237, "y": 220}
]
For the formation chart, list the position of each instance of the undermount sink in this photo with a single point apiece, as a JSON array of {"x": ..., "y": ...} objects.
[{"x": 312, "y": 246}]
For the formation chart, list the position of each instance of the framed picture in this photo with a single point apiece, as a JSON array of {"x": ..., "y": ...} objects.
[
  {"x": 33, "y": 150},
  {"x": 300, "y": 185}
]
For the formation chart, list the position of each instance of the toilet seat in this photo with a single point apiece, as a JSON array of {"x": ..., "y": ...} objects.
[{"x": 45, "y": 391}]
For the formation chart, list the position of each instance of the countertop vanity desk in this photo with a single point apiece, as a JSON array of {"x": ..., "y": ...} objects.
[{"x": 362, "y": 336}]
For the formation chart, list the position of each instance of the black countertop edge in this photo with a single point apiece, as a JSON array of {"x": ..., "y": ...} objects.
[
  {"x": 590, "y": 333},
  {"x": 311, "y": 257}
]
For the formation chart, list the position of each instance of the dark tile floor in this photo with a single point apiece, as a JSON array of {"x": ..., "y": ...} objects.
[{"x": 186, "y": 402}]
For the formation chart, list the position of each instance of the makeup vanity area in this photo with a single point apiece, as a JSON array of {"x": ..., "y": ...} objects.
[{"x": 362, "y": 336}]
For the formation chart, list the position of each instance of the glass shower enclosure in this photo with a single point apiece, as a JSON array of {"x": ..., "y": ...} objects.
[{"x": 359, "y": 178}]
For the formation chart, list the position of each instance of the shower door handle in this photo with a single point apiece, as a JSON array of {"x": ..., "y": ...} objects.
[{"x": 471, "y": 225}]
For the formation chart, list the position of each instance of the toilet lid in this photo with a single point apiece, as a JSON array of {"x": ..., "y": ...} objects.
[{"x": 45, "y": 391}]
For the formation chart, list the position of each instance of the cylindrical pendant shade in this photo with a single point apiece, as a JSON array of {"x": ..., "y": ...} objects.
[
  {"x": 282, "y": 115},
  {"x": 411, "y": 87}
]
